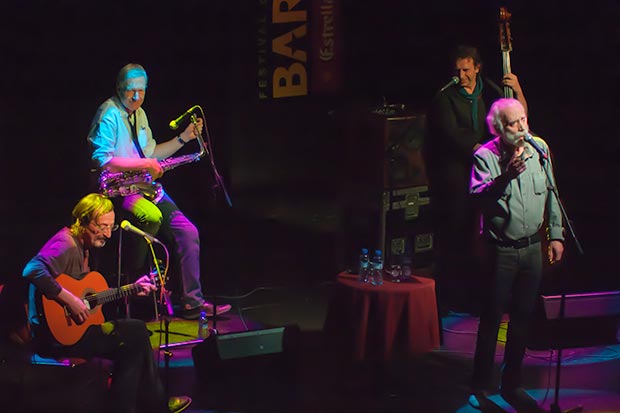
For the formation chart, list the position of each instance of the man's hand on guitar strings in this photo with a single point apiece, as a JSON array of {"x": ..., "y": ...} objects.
[
  {"x": 146, "y": 285},
  {"x": 78, "y": 309}
]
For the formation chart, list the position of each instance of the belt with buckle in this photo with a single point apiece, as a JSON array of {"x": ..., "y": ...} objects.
[{"x": 519, "y": 243}]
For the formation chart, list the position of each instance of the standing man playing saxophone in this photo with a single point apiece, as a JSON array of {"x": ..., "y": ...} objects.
[{"x": 122, "y": 140}]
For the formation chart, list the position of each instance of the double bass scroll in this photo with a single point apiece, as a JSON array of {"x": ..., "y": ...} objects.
[{"x": 505, "y": 41}]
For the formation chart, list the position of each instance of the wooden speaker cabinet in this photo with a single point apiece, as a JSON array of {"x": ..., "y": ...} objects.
[
  {"x": 386, "y": 200},
  {"x": 386, "y": 151}
]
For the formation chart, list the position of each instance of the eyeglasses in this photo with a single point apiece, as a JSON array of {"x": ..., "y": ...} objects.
[
  {"x": 104, "y": 228},
  {"x": 133, "y": 92}
]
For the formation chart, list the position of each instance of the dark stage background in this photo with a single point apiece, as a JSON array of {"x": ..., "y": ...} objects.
[{"x": 283, "y": 159}]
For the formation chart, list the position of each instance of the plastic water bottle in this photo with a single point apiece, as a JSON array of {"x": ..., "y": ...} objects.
[
  {"x": 364, "y": 267},
  {"x": 377, "y": 268},
  {"x": 203, "y": 325}
]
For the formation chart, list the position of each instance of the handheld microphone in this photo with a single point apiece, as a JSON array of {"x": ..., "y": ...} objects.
[
  {"x": 174, "y": 124},
  {"x": 529, "y": 139},
  {"x": 126, "y": 225},
  {"x": 454, "y": 81}
]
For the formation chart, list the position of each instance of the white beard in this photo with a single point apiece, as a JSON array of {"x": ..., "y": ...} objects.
[{"x": 514, "y": 139}]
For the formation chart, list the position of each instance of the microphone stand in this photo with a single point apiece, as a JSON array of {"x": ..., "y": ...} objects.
[
  {"x": 165, "y": 314},
  {"x": 119, "y": 274},
  {"x": 555, "y": 406},
  {"x": 219, "y": 181}
]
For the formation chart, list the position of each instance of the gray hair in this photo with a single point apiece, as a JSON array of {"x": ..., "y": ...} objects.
[
  {"x": 495, "y": 117},
  {"x": 127, "y": 72}
]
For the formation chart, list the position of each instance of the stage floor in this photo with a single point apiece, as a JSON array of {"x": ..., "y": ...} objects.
[{"x": 433, "y": 382}]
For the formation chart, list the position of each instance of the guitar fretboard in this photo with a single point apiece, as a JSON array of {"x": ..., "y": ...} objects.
[{"x": 112, "y": 294}]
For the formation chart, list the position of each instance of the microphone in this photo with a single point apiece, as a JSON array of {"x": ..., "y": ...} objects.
[
  {"x": 174, "y": 124},
  {"x": 126, "y": 225},
  {"x": 454, "y": 81},
  {"x": 529, "y": 139}
]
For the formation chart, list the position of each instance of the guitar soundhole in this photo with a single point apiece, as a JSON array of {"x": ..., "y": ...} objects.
[{"x": 90, "y": 299}]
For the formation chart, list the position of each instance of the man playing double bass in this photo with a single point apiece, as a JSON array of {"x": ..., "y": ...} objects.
[{"x": 456, "y": 128}]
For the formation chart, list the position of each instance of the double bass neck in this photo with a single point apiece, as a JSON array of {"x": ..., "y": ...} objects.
[{"x": 505, "y": 41}]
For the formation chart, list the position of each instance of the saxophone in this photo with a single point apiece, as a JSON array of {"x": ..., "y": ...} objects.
[{"x": 124, "y": 183}]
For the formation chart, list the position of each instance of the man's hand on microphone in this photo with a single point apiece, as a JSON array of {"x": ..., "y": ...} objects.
[
  {"x": 515, "y": 167},
  {"x": 192, "y": 131}
]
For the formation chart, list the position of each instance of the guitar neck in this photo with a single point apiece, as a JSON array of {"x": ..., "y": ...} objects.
[{"x": 112, "y": 294}]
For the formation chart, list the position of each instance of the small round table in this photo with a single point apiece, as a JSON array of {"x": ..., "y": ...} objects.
[{"x": 373, "y": 314}]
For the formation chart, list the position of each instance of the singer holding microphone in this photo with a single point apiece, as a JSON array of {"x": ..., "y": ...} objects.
[
  {"x": 456, "y": 128},
  {"x": 121, "y": 140},
  {"x": 510, "y": 179}
]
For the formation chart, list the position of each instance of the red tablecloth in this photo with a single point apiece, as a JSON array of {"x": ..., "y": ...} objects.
[{"x": 373, "y": 315}]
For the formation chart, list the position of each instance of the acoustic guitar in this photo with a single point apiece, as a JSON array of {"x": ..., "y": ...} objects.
[{"x": 94, "y": 291}]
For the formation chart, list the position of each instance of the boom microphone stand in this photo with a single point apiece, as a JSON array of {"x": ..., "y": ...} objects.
[
  {"x": 119, "y": 275},
  {"x": 555, "y": 406},
  {"x": 163, "y": 306},
  {"x": 219, "y": 181},
  {"x": 205, "y": 146}
]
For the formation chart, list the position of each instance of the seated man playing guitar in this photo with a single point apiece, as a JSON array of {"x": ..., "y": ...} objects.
[{"x": 67, "y": 322}]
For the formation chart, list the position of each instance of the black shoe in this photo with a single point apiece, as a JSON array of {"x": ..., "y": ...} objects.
[
  {"x": 191, "y": 313},
  {"x": 518, "y": 398},
  {"x": 479, "y": 400},
  {"x": 194, "y": 313},
  {"x": 179, "y": 403},
  {"x": 219, "y": 309}
]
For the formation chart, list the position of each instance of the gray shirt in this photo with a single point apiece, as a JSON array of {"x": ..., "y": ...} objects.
[
  {"x": 62, "y": 254},
  {"x": 519, "y": 209}
]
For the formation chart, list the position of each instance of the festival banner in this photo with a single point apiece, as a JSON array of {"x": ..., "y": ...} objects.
[
  {"x": 298, "y": 48},
  {"x": 325, "y": 47}
]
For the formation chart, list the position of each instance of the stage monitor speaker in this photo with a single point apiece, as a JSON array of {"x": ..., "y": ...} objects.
[
  {"x": 590, "y": 319},
  {"x": 249, "y": 343},
  {"x": 274, "y": 348}
]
